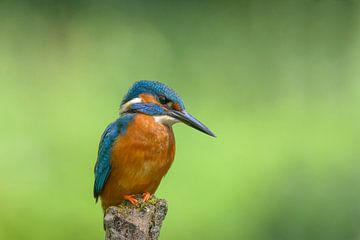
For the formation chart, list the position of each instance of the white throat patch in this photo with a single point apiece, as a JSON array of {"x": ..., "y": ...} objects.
[
  {"x": 165, "y": 119},
  {"x": 127, "y": 105}
]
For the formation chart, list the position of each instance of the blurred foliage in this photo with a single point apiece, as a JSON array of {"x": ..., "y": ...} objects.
[{"x": 277, "y": 81}]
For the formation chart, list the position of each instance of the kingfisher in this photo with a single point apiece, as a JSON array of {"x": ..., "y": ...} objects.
[{"x": 138, "y": 148}]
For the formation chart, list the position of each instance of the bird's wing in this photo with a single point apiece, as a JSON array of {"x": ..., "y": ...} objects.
[{"x": 103, "y": 166}]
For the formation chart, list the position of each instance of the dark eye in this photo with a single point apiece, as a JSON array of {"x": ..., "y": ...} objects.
[{"x": 163, "y": 100}]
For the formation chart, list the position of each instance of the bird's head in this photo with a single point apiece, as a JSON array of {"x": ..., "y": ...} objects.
[{"x": 158, "y": 100}]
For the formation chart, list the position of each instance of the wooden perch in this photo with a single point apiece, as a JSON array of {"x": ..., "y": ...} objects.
[{"x": 142, "y": 222}]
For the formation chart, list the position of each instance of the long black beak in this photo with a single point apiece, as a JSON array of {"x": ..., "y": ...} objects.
[{"x": 186, "y": 118}]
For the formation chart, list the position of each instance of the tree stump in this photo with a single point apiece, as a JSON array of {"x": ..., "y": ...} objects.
[{"x": 141, "y": 222}]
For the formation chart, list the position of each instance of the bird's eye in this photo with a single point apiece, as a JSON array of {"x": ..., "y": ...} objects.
[{"x": 163, "y": 100}]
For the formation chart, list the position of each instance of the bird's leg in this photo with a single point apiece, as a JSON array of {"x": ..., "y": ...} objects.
[
  {"x": 131, "y": 198},
  {"x": 146, "y": 196}
]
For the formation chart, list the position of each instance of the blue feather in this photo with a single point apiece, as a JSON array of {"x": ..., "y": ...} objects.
[
  {"x": 154, "y": 88},
  {"x": 103, "y": 166},
  {"x": 148, "y": 108}
]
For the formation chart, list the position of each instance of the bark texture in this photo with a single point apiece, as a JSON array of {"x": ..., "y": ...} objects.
[{"x": 142, "y": 222}]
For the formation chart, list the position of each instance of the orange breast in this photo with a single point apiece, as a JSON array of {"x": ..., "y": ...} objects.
[{"x": 139, "y": 160}]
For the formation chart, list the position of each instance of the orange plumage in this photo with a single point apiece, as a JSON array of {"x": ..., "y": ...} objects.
[{"x": 139, "y": 160}]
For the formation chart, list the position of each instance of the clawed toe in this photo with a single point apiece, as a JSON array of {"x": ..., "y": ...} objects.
[
  {"x": 132, "y": 199},
  {"x": 146, "y": 196}
]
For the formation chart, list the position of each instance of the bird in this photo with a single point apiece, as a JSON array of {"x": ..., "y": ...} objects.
[{"x": 138, "y": 148}]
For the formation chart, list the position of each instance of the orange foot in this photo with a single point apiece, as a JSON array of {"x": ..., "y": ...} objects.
[
  {"x": 146, "y": 196},
  {"x": 131, "y": 198}
]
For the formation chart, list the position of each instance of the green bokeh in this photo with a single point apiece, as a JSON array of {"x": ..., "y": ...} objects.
[{"x": 277, "y": 81}]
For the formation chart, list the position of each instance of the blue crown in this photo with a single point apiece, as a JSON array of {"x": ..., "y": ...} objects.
[{"x": 154, "y": 88}]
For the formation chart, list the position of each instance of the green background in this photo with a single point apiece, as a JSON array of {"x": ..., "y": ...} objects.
[{"x": 277, "y": 81}]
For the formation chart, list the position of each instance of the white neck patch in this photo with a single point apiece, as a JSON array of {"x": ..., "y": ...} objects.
[
  {"x": 166, "y": 120},
  {"x": 128, "y": 104}
]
